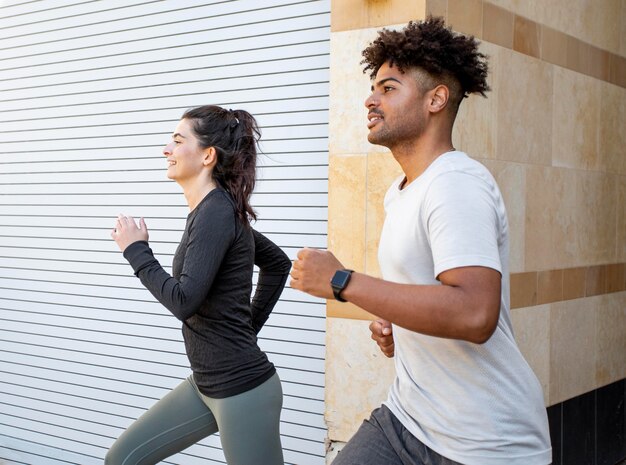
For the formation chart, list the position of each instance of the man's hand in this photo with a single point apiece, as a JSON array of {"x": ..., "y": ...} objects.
[
  {"x": 313, "y": 270},
  {"x": 126, "y": 231},
  {"x": 382, "y": 333}
]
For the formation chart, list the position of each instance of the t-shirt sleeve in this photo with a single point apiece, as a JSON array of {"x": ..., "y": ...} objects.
[
  {"x": 274, "y": 266},
  {"x": 461, "y": 217},
  {"x": 211, "y": 233}
]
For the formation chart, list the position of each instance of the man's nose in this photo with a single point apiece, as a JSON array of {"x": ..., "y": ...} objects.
[{"x": 371, "y": 101}]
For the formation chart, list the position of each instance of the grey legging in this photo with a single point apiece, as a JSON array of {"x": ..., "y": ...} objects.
[{"x": 248, "y": 424}]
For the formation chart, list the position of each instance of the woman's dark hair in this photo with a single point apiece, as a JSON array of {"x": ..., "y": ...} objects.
[
  {"x": 433, "y": 47},
  {"x": 234, "y": 134}
]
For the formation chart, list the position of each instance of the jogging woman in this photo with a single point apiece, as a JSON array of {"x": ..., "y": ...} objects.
[{"x": 233, "y": 388}]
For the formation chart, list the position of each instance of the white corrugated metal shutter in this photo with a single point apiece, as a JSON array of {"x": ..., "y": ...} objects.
[{"x": 90, "y": 91}]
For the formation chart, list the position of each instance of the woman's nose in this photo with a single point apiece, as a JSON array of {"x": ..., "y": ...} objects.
[{"x": 167, "y": 150}]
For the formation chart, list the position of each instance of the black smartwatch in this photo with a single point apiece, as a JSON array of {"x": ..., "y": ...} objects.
[{"x": 339, "y": 282}]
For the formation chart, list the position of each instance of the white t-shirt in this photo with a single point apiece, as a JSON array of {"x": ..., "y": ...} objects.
[{"x": 477, "y": 404}]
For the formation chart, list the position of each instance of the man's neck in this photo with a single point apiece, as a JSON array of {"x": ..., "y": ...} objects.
[{"x": 415, "y": 158}]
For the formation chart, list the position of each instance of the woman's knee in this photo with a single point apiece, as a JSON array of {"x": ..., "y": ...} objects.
[{"x": 115, "y": 456}]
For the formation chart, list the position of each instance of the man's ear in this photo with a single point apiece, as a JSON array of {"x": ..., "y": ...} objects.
[
  {"x": 210, "y": 157},
  {"x": 439, "y": 98}
]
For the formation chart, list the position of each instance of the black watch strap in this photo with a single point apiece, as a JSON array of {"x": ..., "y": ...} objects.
[{"x": 339, "y": 282}]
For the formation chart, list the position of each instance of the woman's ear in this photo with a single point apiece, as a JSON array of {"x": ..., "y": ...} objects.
[{"x": 210, "y": 157}]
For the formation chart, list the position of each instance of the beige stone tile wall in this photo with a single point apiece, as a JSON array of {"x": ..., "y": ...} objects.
[
  {"x": 611, "y": 339},
  {"x": 574, "y": 346},
  {"x": 551, "y": 132},
  {"x": 593, "y": 22},
  {"x": 357, "y": 376},
  {"x": 531, "y": 327},
  {"x": 562, "y": 33},
  {"x": 359, "y": 14}
]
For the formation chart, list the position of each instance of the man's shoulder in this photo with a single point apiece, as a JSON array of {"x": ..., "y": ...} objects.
[
  {"x": 457, "y": 161},
  {"x": 457, "y": 166}
]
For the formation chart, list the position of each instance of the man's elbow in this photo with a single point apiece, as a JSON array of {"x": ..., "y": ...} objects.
[{"x": 484, "y": 324}]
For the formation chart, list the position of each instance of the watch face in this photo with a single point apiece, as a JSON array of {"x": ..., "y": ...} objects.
[{"x": 340, "y": 279}]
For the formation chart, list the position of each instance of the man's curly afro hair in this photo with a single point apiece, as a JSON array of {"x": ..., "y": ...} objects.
[{"x": 433, "y": 47}]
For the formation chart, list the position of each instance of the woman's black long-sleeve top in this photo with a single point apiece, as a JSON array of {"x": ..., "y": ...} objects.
[{"x": 210, "y": 293}]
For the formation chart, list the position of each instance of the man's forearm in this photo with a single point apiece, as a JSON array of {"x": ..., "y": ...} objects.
[{"x": 448, "y": 311}]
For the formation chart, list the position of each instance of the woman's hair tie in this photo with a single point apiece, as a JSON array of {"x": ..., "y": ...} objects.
[{"x": 236, "y": 119}]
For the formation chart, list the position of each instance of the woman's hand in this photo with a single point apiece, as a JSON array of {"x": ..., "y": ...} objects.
[{"x": 126, "y": 231}]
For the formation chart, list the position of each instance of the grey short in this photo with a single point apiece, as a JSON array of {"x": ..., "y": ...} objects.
[{"x": 382, "y": 440}]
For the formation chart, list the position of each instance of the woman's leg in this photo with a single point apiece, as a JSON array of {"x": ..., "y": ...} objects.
[
  {"x": 249, "y": 424},
  {"x": 174, "y": 423}
]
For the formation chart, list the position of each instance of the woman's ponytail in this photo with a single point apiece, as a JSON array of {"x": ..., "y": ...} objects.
[{"x": 235, "y": 135}]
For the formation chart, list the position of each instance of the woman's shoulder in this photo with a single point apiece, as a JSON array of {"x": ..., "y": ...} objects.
[
  {"x": 218, "y": 198},
  {"x": 218, "y": 210}
]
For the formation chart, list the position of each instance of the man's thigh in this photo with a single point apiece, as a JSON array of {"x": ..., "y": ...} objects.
[
  {"x": 368, "y": 446},
  {"x": 383, "y": 440}
]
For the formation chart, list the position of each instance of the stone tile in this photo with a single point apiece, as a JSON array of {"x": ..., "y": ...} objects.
[
  {"x": 597, "y": 23},
  {"x": 553, "y": 46},
  {"x": 616, "y": 277},
  {"x": 549, "y": 286},
  {"x": 524, "y": 118},
  {"x": 588, "y": 59},
  {"x": 622, "y": 51},
  {"x": 394, "y": 12},
  {"x": 511, "y": 178},
  {"x": 349, "y": 88},
  {"x": 527, "y": 37},
  {"x": 347, "y": 15},
  {"x": 574, "y": 283},
  {"x": 547, "y": 218},
  {"x": 595, "y": 216},
  {"x": 612, "y": 136},
  {"x": 600, "y": 24},
  {"x": 570, "y": 218},
  {"x": 572, "y": 348},
  {"x": 346, "y": 209},
  {"x": 437, "y": 8},
  {"x": 466, "y": 16},
  {"x": 497, "y": 25},
  {"x": 621, "y": 221},
  {"x": 532, "y": 334},
  {"x": 579, "y": 55},
  {"x": 356, "y": 14},
  {"x": 591, "y": 22},
  {"x": 474, "y": 130},
  {"x": 611, "y": 339},
  {"x": 336, "y": 309},
  {"x": 576, "y": 117},
  {"x": 382, "y": 169},
  {"x": 599, "y": 64},
  {"x": 358, "y": 376},
  {"x": 617, "y": 70},
  {"x": 595, "y": 280},
  {"x": 523, "y": 289}
]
